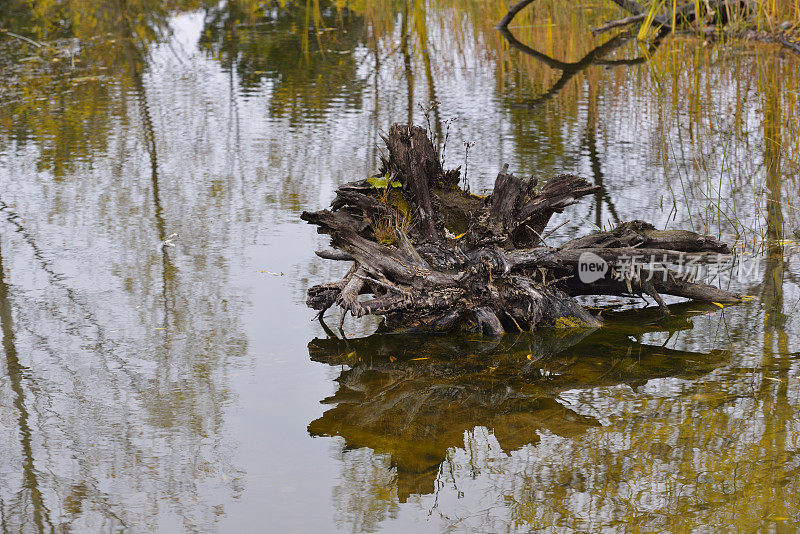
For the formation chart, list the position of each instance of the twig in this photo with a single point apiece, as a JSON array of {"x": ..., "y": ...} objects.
[
  {"x": 31, "y": 41},
  {"x": 794, "y": 47},
  {"x": 634, "y": 8},
  {"x": 537, "y": 234},
  {"x": 393, "y": 287},
  {"x": 555, "y": 280},
  {"x": 548, "y": 234},
  {"x": 618, "y": 23}
]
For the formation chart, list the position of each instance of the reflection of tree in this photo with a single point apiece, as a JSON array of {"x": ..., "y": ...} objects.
[
  {"x": 539, "y": 77},
  {"x": 120, "y": 382},
  {"x": 63, "y": 99},
  {"x": 590, "y": 142},
  {"x": 39, "y": 513},
  {"x": 595, "y": 57},
  {"x": 184, "y": 398},
  {"x": 414, "y": 398},
  {"x": 407, "y": 69},
  {"x": 307, "y": 67},
  {"x": 777, "y": 411}
]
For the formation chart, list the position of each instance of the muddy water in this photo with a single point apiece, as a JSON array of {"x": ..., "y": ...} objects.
[{"x": 160, "y": 371}]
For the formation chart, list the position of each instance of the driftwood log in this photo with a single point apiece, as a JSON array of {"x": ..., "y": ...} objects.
[{"x": 436, "y": 258}]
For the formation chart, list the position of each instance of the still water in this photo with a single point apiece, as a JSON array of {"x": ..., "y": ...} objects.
[{"x": 160, "y": 371}]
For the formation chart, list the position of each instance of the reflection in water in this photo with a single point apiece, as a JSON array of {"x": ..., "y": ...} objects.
[
  {"x": 30, "y": 490},
  {"x": 117, "y": 346},
  {"x": 414, "y": 398},
  {"x": 574, "y": 431},
  {"x": 595, "y": 57},
  {"x": 307, "y": 71},
  {"x": 125, "y": 351}
]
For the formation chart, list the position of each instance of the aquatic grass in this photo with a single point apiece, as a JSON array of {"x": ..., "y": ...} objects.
[
  {"x": 644, "y": 29},
  {"x": 707, "y": 188}
]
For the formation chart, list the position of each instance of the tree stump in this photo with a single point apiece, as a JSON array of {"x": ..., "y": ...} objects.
[{"x": 435, "y": 258}]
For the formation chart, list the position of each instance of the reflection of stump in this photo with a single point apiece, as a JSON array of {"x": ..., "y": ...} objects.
[
  {"x": 439, "y": 259},
  {"x": 413, "y": 397}
]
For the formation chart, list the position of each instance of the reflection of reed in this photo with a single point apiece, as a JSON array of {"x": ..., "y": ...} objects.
[
  {"x": 414, "y": 397},
  {"x": 777, "y": 410},
  {"x": 407, "y": 69},
  {"x": 101, "y": 389},
  {"x": 590, "y": 141}
]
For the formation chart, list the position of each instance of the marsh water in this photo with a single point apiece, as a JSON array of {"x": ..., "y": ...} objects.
[{"x": 160, "y": 371}]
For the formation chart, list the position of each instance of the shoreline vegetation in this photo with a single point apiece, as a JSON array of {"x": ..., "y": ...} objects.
[
  {"x": 711, "y": 20},
  {"x": 50, "y": 25}
]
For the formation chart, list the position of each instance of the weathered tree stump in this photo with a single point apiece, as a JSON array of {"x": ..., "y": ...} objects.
[{"x": 436, "y": 258}]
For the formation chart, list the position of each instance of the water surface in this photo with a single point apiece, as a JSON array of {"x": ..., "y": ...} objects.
[{"x": 161, "y": 372}]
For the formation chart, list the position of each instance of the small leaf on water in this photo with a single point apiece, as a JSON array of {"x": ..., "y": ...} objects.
[
  {"x": 392, "y": 359},
  {"x": 530, "y": 356}
]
